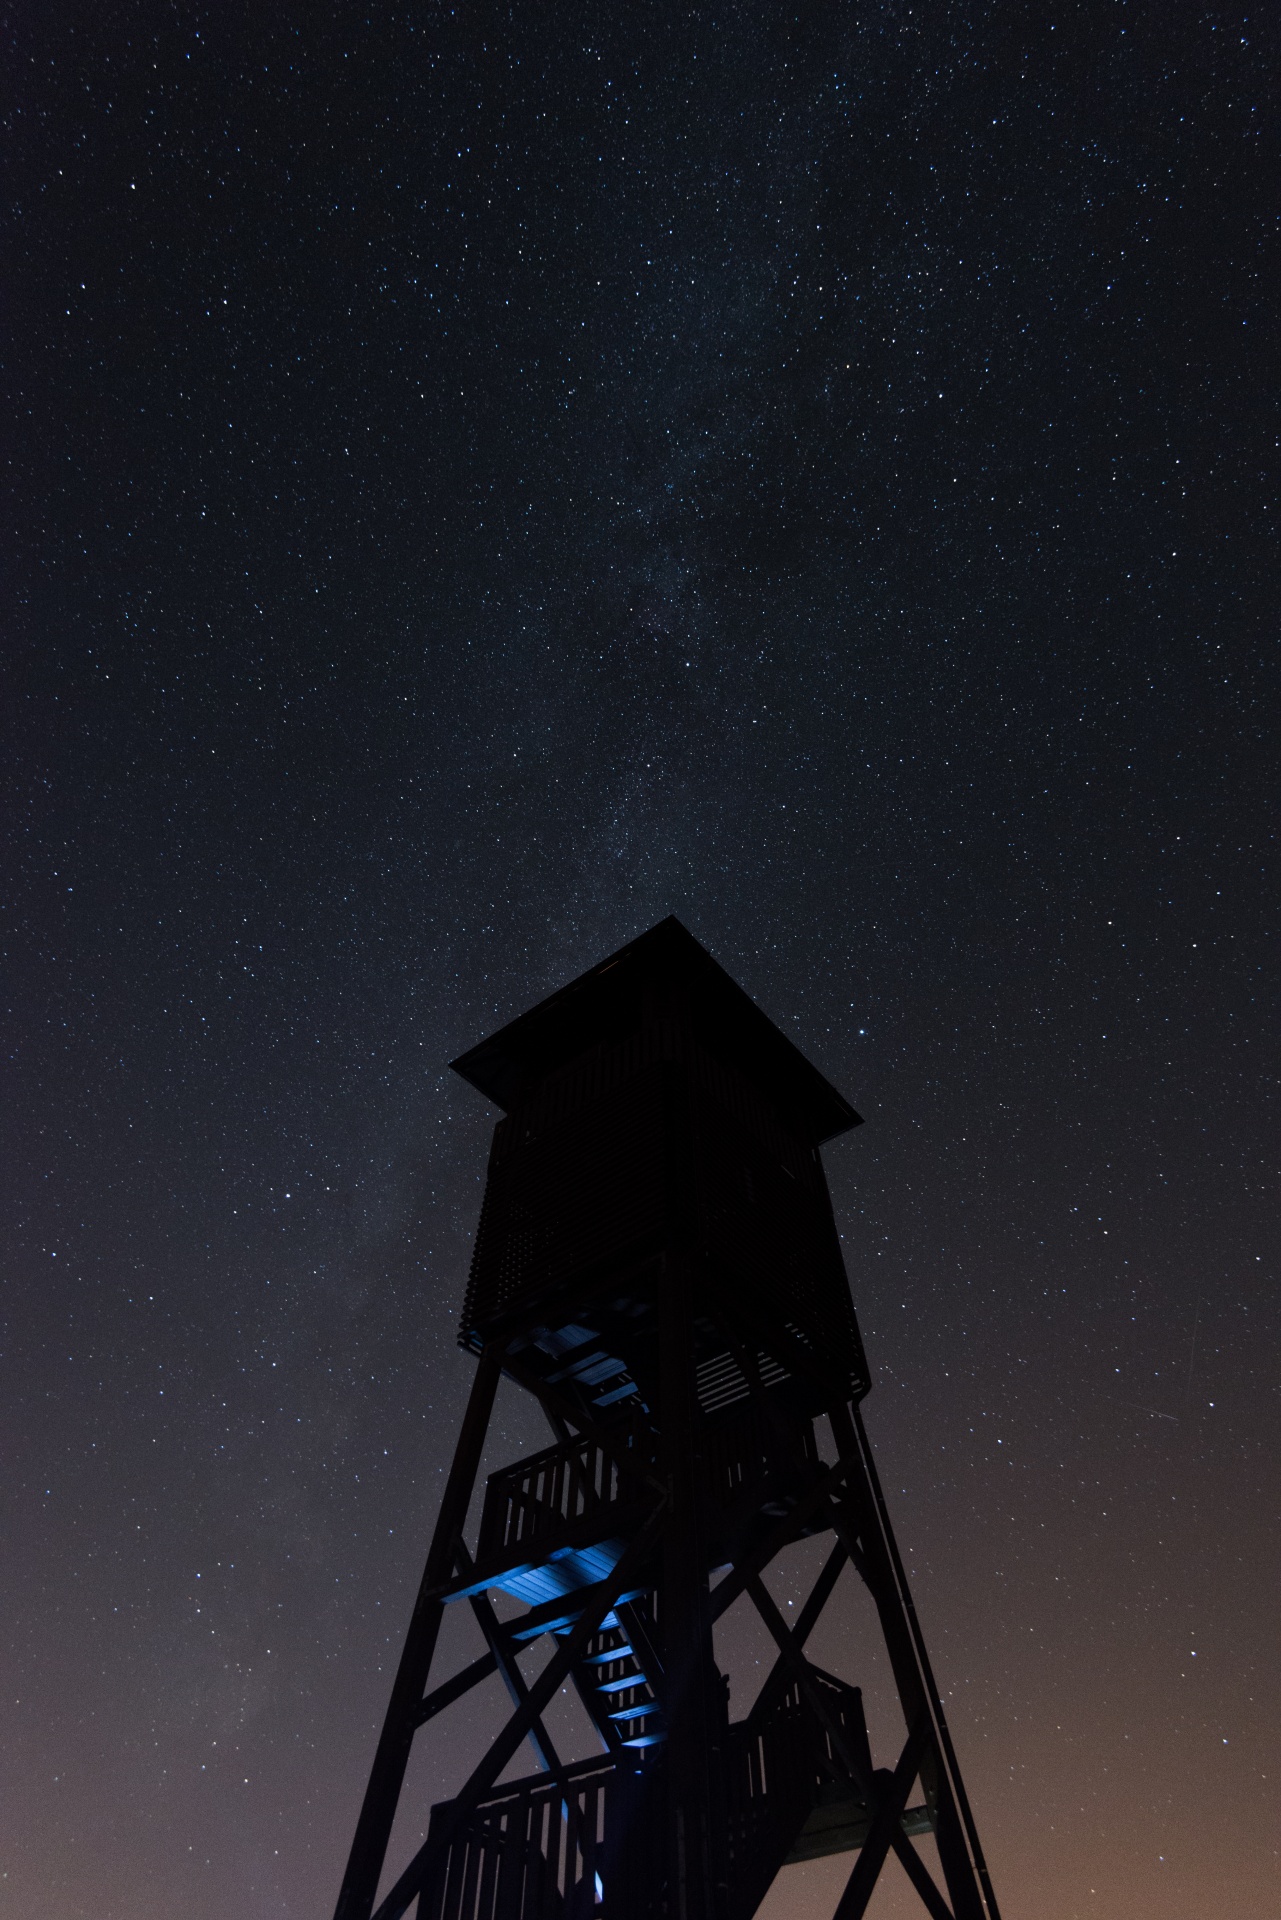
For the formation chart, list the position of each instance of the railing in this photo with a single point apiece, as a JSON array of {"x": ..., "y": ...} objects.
[
  {"x": 775, "y": 1776},
  {"x": 526, "y": 1854},
  {"x": 742, "y": 1453},
  {"x": 577, "y": 1493},
  {"x": 542, "y": 1499}
]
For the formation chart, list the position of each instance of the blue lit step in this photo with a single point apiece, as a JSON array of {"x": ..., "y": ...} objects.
[
  {"x": 635, "y": 1713},
  {"x": 617, "y": 1686},
  {"x": 611, "y": 1653}
]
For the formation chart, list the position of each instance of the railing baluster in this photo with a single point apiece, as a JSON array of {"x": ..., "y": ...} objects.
[
  {"x": 474, "y": 1855},
  {"x": 489, "y": 1876},
  {"x": 511, "y": 1866},
  {"x": 452, "y": 1879}
]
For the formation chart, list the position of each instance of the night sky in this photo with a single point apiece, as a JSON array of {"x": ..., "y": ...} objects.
[{"x": 482, "y": 479}]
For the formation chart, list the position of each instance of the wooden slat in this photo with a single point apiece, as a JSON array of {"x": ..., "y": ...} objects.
[{"x": 488, "y": 1878}]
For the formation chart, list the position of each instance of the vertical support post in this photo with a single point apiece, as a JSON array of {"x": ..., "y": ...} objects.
[
  {"x": 887, "y": 1582},
  {"x": 378, "y": 1810},
  {"x": 693, "y": 1757}
]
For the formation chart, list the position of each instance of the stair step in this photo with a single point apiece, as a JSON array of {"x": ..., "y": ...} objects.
[
  {"x": 635, "y": 1713},
  {"x": 636, "y": 1679},
  {"x": 611, "y": 1653}
]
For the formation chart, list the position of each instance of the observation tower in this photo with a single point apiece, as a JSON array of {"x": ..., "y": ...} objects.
[{"x": 658, "y": 1266}]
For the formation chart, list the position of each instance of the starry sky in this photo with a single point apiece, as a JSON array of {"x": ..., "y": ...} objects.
[{"x": 481, "y": 479}]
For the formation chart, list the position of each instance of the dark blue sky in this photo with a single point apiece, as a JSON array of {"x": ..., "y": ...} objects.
[{"x": 482, "y": 481}]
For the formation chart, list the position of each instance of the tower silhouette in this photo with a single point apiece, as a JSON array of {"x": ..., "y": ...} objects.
[{"x": 658, "y": 1265}]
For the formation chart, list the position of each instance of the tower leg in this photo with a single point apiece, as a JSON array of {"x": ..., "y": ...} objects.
[
  {"x": 862, "y": 1523},
  {"x": 378, "y": 1810}
]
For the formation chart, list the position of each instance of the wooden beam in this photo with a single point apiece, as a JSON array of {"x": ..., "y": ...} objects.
[{"x": 454, "y": 1689}]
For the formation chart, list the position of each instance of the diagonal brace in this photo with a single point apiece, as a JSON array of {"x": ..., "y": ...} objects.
[
  {"x": 445, "y": 1695},
  {"x": 788, "y": 1528},
  {"x": 505, "y": 1661},
  {"x": 891, "y": 1800},
  {"x": 804, "y": 1674},
  {"x": 915, "y": 1869},
  {"x": 820, "y": 1594}
]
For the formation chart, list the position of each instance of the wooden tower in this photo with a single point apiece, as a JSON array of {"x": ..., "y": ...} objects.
[{"x": 657, "y": 1264}]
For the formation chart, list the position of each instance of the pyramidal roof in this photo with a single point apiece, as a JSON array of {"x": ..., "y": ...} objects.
[{"x": 650, "y": 977}]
